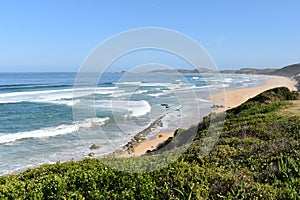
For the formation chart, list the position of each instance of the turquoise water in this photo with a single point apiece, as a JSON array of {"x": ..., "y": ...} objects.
[{"x": 42, "y": 122}]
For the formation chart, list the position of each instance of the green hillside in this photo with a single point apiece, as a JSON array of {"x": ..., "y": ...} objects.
[{"x": 256, "y": 157}]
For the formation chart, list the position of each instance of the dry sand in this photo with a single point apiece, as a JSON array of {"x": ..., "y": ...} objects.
[
  {"x": 233, "y": 98},
  {"x": 228, "y": 98},
  {"x": 151, "y": 144},
  {"x": 142, "y": 147}
]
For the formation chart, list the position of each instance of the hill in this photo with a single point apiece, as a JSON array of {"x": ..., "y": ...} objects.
[
  {"x": 249, "y": 71},
  {"x": 255, "y": 157},
  {"x": 290, "y": 71},
  {"x": 185, "y": 71}
]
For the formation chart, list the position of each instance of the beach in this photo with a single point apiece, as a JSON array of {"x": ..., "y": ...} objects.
[
  {"x": 233, "y": 98},
  {"x": 236, "y": 97},
  {"x": 141, "y": 148}
]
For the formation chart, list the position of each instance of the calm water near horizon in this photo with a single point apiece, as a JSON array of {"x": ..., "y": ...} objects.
[{"x": 37, "y": 123}]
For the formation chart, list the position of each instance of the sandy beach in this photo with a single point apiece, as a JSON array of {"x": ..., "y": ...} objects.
[
  {"x": 235, "y": 97},
  {"x": 228, "y": 98},
  {"x": 151, "y": 144},
  {"x": 141, "y": 148}
]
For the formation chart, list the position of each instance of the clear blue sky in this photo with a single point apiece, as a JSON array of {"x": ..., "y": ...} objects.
[{"x": 57, "y": 35}]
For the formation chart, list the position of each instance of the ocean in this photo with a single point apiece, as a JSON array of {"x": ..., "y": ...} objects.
[{"x": 42, "y": 119}]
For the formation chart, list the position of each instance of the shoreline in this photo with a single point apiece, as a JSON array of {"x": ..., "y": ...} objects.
[
  {"x": 141, "y": 148},
  {"x": 224, "y": 100},
  {"x": 234, "y": 97}
]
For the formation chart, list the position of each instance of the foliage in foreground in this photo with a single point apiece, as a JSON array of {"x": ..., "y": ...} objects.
[{"x": 256, "y": 157}]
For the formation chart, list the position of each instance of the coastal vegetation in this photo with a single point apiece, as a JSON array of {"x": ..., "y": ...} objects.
[{"x": 255, "y": 157}]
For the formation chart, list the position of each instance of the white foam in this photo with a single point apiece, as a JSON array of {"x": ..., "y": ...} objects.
[
  {"x": 199, "y": 87},
  {"x": 227, "y": 80},
  {"x": 133, "y": 108},
  {"x": 157, "y": 94},
  {"x": 15, "y": 94},
  {"x": 159, "y": 85},
  {"x": 140, "y": 91},
  {"x": 52, "y": 131},
  {"x": 204, "y": 100},
  {"x": 123, "y": 93},
  {"x": 91, "y": 122},
  {"x": 138, "y": 108},
  {"x": 129, "y": 83},
  {"x": 53, "y": 96},
  {"x": 170, "y": 86},
  {"x": 70, "y": 102},
  {"x": 36, "y": 96},
  {"x": 107, "y": 90}
]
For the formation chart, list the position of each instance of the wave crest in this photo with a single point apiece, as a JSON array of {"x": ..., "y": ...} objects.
[{"x": 53, "y": 131}]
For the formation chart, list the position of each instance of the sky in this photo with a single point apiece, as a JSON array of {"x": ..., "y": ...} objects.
[{"x": 58, "y": 35}]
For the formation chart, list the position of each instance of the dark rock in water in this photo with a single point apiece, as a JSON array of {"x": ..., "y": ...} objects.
[
  {"x": 91, "y": 154},
  {"x": 165, "y": 105},
  {"x": 217, "y": 106},
  {"x": 94, "y": 146}
]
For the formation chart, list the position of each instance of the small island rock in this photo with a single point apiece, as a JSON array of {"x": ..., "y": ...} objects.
[{"x": 94, "y": 146}]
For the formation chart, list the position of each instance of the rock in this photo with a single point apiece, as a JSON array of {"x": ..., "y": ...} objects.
[
  {"x": 165, "y": 105},
  {"x": 94, "y": 146},
  {"x": 91, "y": 154},
  {"x": 217, "y": 106}
]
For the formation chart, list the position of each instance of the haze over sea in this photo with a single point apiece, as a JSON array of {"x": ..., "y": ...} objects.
[{"x": 36, "y": 112}]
